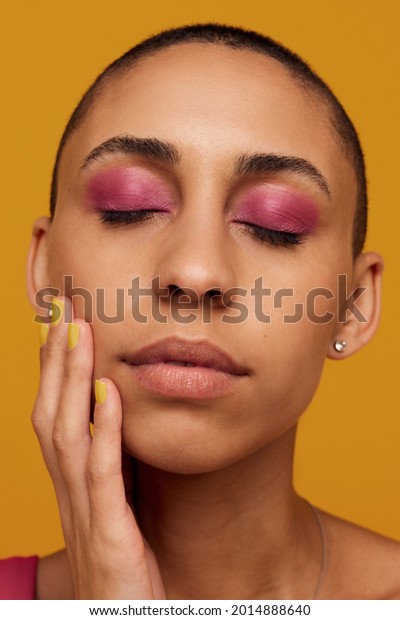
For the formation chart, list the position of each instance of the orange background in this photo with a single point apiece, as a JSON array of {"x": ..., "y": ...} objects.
[{"x": 348, "y": 457}]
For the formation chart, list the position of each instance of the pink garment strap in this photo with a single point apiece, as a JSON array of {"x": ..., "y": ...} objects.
[{"x": 18, "y": 578}]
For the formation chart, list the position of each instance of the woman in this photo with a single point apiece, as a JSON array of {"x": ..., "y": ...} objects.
[{"x": 208, "y": 219}]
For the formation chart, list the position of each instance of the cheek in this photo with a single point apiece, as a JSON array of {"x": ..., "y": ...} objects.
[
  {"x": 97, "y": 280},
  {"x": 287, "y": 295},
  {"x": 289, "y": 353},
  {"x": 71, "y": 252},
  {"x": 306, "y": 308}
]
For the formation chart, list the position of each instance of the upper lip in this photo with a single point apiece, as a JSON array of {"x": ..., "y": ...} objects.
[{"x": 200, "y": 353}]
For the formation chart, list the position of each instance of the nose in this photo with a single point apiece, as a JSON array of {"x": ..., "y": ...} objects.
[{"x": 197, "y": 259}]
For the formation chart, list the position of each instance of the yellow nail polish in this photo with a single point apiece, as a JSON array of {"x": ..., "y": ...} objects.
[
  {"x": 73, "y": 335},
  {"x": 57, "y": 306},
  {"x": 43, "y": 333},
  {"x": 100, "y": 392}
]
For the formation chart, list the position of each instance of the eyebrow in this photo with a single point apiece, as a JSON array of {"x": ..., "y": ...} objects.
[
  {"x": 151, "y": 148},
  {"x": 256, "y": 164},
  {"x": 262, "y": 163}
]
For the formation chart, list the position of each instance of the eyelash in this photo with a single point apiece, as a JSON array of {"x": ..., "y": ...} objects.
[
  {"x": 128, "y": 217},
  {"x": 276, "y": 238}
]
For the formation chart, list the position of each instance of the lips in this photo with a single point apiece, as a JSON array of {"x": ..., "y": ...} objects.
[{"x": 178, "y": 351}]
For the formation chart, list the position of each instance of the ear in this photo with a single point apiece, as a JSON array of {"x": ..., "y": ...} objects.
[
  {"x": 37, "y": 276},
  {"x": 357, "y": 328}
]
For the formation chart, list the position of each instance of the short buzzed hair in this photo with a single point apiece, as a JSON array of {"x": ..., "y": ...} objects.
[{"x": 237, "y": 38}]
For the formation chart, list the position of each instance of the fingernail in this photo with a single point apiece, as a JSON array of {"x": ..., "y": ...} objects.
[
  {"x": 73, "y": 335},
  {"x": 43, "y": 333},
  {"x": 100, "y": 392},
  {"x": 57, "y": 306}
]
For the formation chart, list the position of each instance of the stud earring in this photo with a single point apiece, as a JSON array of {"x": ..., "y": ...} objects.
[
  {"x": 339, "y": 345},
  {"x": 50, "y": 312}
]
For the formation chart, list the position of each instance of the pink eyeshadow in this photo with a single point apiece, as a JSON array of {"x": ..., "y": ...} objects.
[
  {"x": 278, "y": 208},
  {"x": 127, "y": 189}
]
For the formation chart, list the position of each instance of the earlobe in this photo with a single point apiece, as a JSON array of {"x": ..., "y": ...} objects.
[
  {"x": 359, "y": 327},
  {"x": 37, "y": 276}
]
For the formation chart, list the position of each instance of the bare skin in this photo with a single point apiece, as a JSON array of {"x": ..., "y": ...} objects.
[
  {"x": 363, "y": 565},
  {"x": 213, "y": 512}
]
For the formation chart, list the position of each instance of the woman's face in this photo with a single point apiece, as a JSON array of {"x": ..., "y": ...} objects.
[{"x": 215, "y": 106}]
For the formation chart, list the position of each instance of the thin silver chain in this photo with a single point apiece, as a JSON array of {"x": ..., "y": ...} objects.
[{"x": 324, "y": 553}]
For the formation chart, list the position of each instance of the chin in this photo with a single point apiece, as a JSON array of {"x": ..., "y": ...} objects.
[
  {"x": 179, "y": 454},
  {"x": 188, "y": 440}
]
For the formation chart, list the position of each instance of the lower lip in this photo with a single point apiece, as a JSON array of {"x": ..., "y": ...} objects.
[{"x": 184, "y": 381}]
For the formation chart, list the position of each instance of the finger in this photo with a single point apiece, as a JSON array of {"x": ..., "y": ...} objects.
[
  {"x": 110, "y": 514},
  {"x": 71, "y": 435},
  {"x": 46, "y": 404},
  {"x": 128, "y": 465},
  {"x": 52, "y": 353}
]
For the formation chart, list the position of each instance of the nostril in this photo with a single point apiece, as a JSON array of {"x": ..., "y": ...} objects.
[
  {"x": 174, "y": 289},
  {"x": 177, "y": 291}
]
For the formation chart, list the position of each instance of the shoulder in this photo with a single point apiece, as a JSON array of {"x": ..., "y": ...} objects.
[{"x": 361, "y": 564}]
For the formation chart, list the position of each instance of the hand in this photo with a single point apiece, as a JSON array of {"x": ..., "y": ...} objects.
[{"x": 108, "y": 556}]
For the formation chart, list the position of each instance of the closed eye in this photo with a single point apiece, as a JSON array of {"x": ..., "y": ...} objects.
[
  {"x": 117, "y": 216},
  {"x": 277, "y": 238},
  {"x": 274, "y": 237}
]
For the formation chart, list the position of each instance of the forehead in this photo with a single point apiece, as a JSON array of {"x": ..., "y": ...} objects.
[{"x": 214, "y": 102}]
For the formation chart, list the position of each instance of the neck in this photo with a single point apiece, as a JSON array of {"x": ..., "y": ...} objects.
[{"x": 241, "y": 532}]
